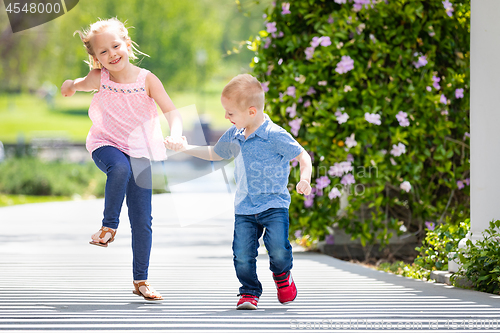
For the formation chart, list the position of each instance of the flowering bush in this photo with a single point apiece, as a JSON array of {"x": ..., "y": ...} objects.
[
  {"x": 480, "y": 261},
  {"x": 439, "y": 242},
  {"x": 377, "y": 92}
]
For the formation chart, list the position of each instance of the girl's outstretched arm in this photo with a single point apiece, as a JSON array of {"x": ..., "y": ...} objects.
[
  {"x": 88, "y": 83},
  {"x": 156, "y": 91}
]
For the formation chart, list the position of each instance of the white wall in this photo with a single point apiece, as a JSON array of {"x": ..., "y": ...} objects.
[
  {"x": 484, "y": 117},
  {"x": 485, "y": 114}
]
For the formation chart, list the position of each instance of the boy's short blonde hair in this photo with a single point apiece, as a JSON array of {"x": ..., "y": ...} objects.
[{"x": 246, "y": 90}]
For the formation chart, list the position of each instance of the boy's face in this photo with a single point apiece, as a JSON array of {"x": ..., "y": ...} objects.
[
  {"x": 238, "y": 116},
  {"x": 111, "y": 50}
]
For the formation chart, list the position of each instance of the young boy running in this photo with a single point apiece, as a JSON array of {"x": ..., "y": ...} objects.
[{"x": 262, "y": 152}]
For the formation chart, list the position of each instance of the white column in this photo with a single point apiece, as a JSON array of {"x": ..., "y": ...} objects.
[{"x": 484, "y": 117}]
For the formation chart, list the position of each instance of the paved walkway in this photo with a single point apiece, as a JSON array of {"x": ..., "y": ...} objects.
[{"x": 52, "y": 280}]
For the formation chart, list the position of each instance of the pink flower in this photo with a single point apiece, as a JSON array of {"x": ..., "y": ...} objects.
[
  {"x": 292, "y": 110},
  {"x": 350, "y": 142},
  {"x": 405, "y": 186},
  {"x": 294, "y": 163},
  {"x": 341, "y": 117},
  {"x": 358, "y": 4},
  {"x": 290, "y": 91},
  {"x": 350, "y": 158},
  {"x": 329, "y": 239},
  {"x": 443, "y": 99},
  {"x": 322, "y": 182},
  {"x": 265, "y": 86},
  {"x": 330, "y": 19},
  {"x": 285, "y": 6},
  {"x": 322, "y": 83},
  {"x": 315, "y": 42},
  {"x": 271, "y": 27},
  {"x": 336, "y": 170},
  {"x": 307, "y": 103},
  {"x": 448, "y": 6},
  {"x": 334, "y": 193},
  {"x": 430, "y": 225},
  {"x": 309, "y": 202},
  {"x": 459, "y": 93},
  {"x": 309, "y": 53},
  {"x": 348, "y": 179},
  {"x": 460, "y": 184},
  {"x": 428, "y": 88},
  {"x": 267, "y": 43},
  {"x": 325, "y": 41},
  {"x": 467, "y": 181},
  {"x": 422, "y": 61},
  {"x": 373, "y": 118},
  {"x": 402, "y": 118},
  {"x": 398, "y": 150},
  {"x": 435, "y": 81},
  {"x": 311, "y": 91},
  {"x": 345, "y": 65},
  {"x": 346, "y": 166},
  {"x": 295, "y": 126}
]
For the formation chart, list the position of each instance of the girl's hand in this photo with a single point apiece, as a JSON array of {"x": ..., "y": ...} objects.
[
  {"x": 68, "y": 88},
  {"x": 303, "y": 187},
  {"x": 176, "y": 143}
]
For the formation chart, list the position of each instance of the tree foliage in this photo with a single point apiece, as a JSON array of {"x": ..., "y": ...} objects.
[
  {"x": 378, "y": 93},
  {"x": 184, "y": 39}
]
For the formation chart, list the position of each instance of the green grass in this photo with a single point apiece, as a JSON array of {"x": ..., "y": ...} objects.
[
  {"x": 10, "y": 200},
  {"x": 29, "y": 116}
]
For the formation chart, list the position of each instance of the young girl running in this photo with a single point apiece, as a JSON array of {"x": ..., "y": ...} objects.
[{"x": 125, "y": 136}]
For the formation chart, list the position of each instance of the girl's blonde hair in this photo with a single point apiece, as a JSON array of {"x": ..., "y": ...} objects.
[
  {"x": 246, "y": 90},
  {"x": 100, "y": 26}
]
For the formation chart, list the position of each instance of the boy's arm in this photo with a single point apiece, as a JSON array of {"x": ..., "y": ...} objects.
[
  {"x": 304, "y": 185},
  {"x": 155, "y": 90},
  {"x": 88, "y": 83},
  {"x": 203, "y": 152}
]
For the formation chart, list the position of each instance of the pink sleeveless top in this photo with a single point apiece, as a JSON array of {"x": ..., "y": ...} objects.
[{"x": 125, "y": 117}]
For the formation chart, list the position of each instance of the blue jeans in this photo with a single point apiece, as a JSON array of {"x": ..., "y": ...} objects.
[
  {"x": 247, "y": 231},
  {"x": 130, "y": 177}
]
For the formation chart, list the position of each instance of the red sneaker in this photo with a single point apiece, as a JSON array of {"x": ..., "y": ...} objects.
[
  {"x": 287, "y": 292},
  {"x": 247, "y": 302}
]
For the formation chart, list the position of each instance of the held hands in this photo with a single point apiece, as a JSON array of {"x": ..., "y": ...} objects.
[
  {"x": 176, "y": 143},
  {"x": 68, "y": 88},
  {"x": 303, "y": 187}
]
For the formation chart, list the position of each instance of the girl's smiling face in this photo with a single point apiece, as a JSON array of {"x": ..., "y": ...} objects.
[{"x": 110, "y": 50}]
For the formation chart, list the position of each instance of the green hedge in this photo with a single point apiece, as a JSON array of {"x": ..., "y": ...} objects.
[
  {"x": 378, "y": 93},
  {"x": 480, "y": 261},
  {"x": 31, "y": 176}
]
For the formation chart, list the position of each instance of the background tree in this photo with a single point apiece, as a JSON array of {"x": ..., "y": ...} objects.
[{"x": 183, "y": 39}]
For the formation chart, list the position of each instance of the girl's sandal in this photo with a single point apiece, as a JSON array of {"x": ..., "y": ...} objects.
[
  {"x": 156, "y": 296},
  {"x": 104, "y": 231}
]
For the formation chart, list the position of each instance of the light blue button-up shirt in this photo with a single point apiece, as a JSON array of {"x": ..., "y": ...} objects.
[{"x": 262, "y": 166}]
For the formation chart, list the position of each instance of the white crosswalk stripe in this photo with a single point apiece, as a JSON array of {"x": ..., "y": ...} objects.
[{"x": 52, "y": 280}]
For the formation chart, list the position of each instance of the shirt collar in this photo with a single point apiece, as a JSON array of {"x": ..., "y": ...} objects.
[{"x": 262, "y": 131}]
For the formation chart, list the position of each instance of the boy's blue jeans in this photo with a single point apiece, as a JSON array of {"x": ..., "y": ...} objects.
[
  {"x": 247, "y": 231},
  {"x": 130, "y": 177}
]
